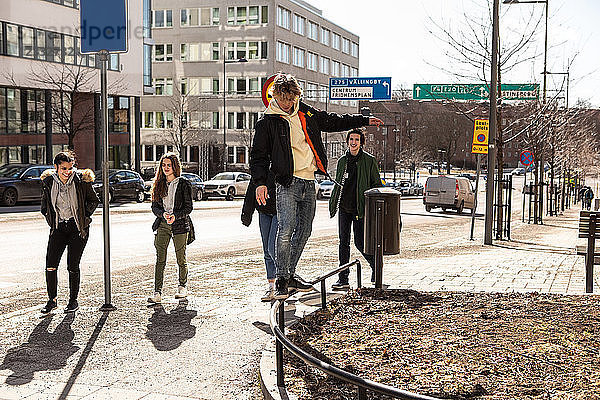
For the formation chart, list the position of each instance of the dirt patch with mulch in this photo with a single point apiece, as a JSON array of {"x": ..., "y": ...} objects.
[{"x": 453, "y": 345}]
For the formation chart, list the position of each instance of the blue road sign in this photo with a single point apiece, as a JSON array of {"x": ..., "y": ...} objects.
[
  {"x": 526, "y": 158},
  {"x": 360, "y": 88},
  {"x": 103, "y": 25}
]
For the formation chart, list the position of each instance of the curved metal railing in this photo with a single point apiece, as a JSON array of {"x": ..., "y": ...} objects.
[{"x": 277, "y": 322}]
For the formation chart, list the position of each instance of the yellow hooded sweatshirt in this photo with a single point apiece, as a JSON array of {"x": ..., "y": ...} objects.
[{"x": 304, "y": 158}]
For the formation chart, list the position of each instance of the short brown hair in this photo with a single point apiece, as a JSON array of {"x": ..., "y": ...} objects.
[{"x": 286, "y": 84}]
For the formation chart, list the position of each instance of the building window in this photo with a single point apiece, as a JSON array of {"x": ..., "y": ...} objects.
[
  {"x": 27, "y": 36},
  {"x": 283, "y": 52},
  {"x": 311, "y": 61},
  {"x": 335, "y": 68},
  {"x": 335, "y": 41},
  {"x": 118, "y": 114},
  {"x": 264, "y": 15},
  {"x": 53, "y": 47},
  {"x": 147, "y": 19},
  {"x": 325, "y": 36},
  {"x": 163, "y": 86},
  {"x": 69, "y": 52},
  {"x": 12, "y": 40},
  {"x": 162, "y": 18},
  {"x": 299, "y": 24},
  {"x": 283, "y": 17},
  {"x": 312, "y": 91},
  {"x": 230, "y": 120},
  {"x": 253, "y": 117},
  {"x": 324, "y": 67},
  {"x": 313, "y": 31},
  {"x": 148, "y": 152},
  {"x": 216, "y": 16},
  {"x": 197, "y": 51},
  {"x": 199, "y": 16},
  {"x": 298, "y": 57},
  {"x": 240, "y": 154},
  {"x": 13, "y": 110},
  {"x": 215, "y": 120},
  {"x": 354, "y": 49},
  {"x": 353, "y": 72},
  {"x": 147, "y": 65},
  {"x": 253, "y": 86},
  {"x": 148, "y": 119},
  {"x": 67, "y": 3},
  {"x": 163, "y": 52},
  {"x": 323, "y": 91},
  {"x": 345, "y": 70},
  {"x": 240, "y": 120},
  {"x": 230, "y": 155},
  {"x": 345, "y": 46},
  {"x": 199, "y": 86}
]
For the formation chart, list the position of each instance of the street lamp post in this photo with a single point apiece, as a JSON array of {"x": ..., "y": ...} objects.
[{"x": 225, "y": 61}]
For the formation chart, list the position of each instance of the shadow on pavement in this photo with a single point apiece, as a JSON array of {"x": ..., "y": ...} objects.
[
  {"x": 44, "y": 351},
  {"x": 537, "y": 247},
  {"x": 83, "y": 358},
  {"x": 167, "y": 331},
  {"x": 443, "y": 214}
]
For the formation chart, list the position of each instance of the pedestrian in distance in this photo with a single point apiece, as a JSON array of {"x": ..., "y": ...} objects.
[
  {"x": 267, "y": 222},
  {"x": 68, "y": 202},
  {"x": 172, "y": 206},
  {"x": 589, "y": 196},
  {"x": 357, "y": 172},
  {"x": 288, "y": 141}
]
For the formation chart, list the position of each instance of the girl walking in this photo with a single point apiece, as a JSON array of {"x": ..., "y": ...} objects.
[
  {"x": 68, "y": 202},
  {"x": 172, "y": 205}
]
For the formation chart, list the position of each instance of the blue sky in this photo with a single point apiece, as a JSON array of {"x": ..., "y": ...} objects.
[{"x": 395, "y": 41}]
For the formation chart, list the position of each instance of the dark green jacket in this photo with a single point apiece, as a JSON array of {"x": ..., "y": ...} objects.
[{"x": 367, "y": 177}]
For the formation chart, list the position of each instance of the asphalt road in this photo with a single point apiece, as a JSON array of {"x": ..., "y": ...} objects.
[{"x": 218, "y": 232}]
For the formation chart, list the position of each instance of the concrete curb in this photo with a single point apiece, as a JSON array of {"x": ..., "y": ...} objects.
[{"x": 267, "y": 375}]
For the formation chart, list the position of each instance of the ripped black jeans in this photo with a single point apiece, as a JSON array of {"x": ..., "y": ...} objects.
[{"x": 66, "y": 235}]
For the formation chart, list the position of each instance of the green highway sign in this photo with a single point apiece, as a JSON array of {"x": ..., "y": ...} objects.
[{"x": 476, "y": 91}]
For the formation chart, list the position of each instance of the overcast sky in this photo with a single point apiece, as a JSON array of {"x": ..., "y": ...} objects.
[{"x": 395, "y": 40}]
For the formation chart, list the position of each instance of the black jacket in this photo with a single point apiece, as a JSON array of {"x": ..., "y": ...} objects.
[
  {"x": 272, "y": 148},
  {"x": 181, "y": 210},
  {"x": 87, "y": 199},
  {"x": 250, "y": 203}
]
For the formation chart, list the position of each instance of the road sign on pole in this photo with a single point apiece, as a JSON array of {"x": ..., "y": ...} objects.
[
  {"x": 103, "y": 26},
  {"x": 526, "y": 157},
  {"x": 360, "y": 88},
  {"x": 480, "y": 136},
  {"x": 477, "y": 91}
]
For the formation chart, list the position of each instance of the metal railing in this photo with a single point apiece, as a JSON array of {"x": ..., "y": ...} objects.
[{"x": 277, "y": 322}]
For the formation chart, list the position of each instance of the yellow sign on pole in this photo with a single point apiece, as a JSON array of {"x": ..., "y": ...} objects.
[{"x": 480, "y": 136}]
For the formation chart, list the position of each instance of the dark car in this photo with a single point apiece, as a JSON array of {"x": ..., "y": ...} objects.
[
  {"x": 470, "y": 177},
  {"x": 21, "y": 182},
  {"x": 197, "y": 185},
  {"x": 123, "y": 184}
]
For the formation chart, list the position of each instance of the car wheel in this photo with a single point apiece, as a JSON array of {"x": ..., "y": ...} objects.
[
  {"x": 319, "y": 195},
  {"x": 140, "y": 197},
  {"x": 428, "y": 208},
  {"x": 230, "y": 194},
  {"x": 111, "y": 196},
  {"x": 460, "y": 208},
  {"x": 10, "y": 197},
  {"x": 199, "y": 195},
  {"x": 444, "y": 209}
]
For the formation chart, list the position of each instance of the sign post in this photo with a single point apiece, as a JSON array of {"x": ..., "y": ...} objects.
[
  {"x": 360, "y": 88},
  {"x": 474, "y": 91},
  {"x": 479, "y": 147},
  {"x": 104, "y": 30},
  {"x": 526, "y": 159}
]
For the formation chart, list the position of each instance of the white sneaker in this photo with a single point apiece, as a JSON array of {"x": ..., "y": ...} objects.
[
  {"x": 155, "y": 299},
  {"x": 181, "y": 292},
  {"x": 269, "y": 295}
]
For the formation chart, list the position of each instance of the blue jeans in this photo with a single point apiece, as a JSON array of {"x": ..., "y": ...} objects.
[
  {"x": 268, "y": 233},
  {"x": 296, "y": 206},
  {"x": 345, "y": 223}
]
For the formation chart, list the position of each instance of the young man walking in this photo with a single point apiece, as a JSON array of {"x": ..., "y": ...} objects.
[
  {"x": 288, "y": 142},
  {"x": 356, "y": 172}
]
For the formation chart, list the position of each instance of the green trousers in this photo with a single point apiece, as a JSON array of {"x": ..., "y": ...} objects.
[{"x": 161, "y": 242}]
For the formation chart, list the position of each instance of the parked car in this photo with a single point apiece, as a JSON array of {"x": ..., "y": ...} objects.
[
  {"x": 405, "y": 188},
  {"x": 418, "y": 187},
  {"x": 448, "y": 192},
  {"x": 197, "y": 185},
  {"x": 227, "y": 184},
  {"x": 325, "y": 189},
  {"x": 518, "y": 171},
  {"x": 470, "y": 177},
  {"x": 122, "y": 184},
  {"x": 21, "y": 182}
]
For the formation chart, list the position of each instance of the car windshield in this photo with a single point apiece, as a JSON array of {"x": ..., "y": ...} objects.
[
  {"x": 404, "y": 184},
  {"x": 11, "y": 171},
  {"x": 326, "y": 183},
  {"x": 223, "y": 176}
]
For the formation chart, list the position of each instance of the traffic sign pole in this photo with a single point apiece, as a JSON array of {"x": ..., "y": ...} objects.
[
  {"x": 103, "y": 55},
  {"x": 475, "y": 197}
]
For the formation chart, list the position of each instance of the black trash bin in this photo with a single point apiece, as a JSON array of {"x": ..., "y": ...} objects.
[{"x": 392, "y": 221}]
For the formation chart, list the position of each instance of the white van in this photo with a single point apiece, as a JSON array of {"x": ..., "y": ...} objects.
[{"x": 448, "y": 192}]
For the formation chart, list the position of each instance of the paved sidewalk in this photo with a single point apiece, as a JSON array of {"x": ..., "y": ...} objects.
[{"x": 209, "y": 347}]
